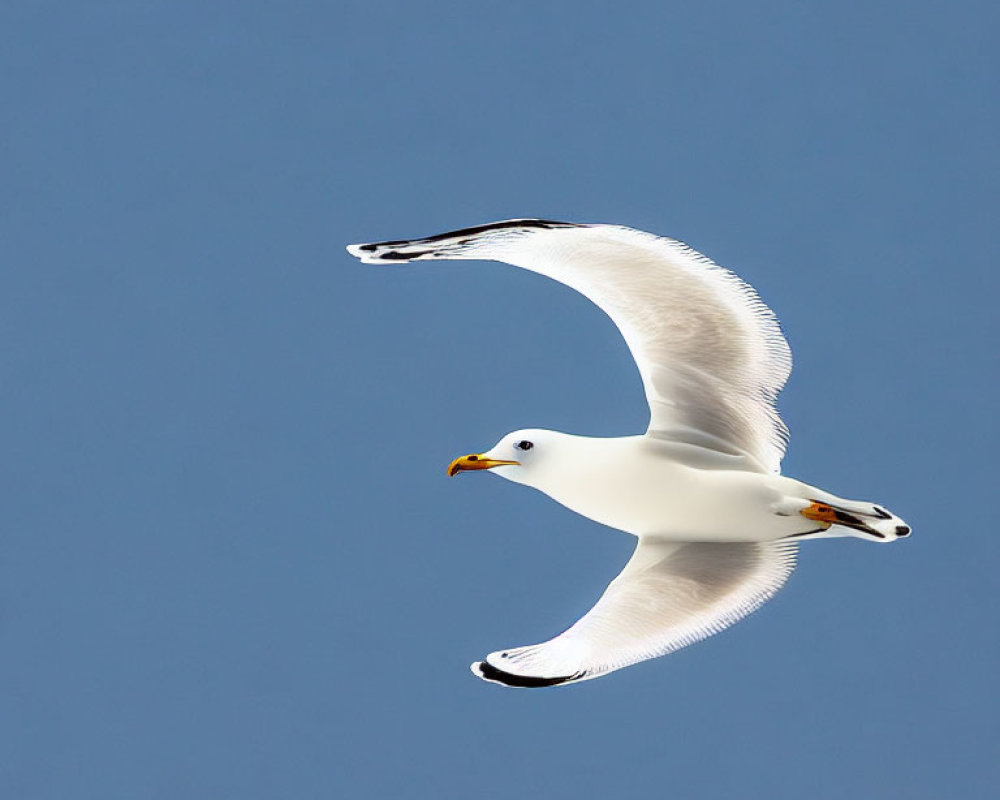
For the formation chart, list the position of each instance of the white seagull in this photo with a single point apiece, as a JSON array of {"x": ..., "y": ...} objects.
[{"x": 717, "y": 524}]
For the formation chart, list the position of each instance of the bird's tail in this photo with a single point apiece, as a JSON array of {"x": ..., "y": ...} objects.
[{"x": 863, "y": 519}]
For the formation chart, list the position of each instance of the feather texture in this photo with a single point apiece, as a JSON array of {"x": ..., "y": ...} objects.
[{"x": 710, "y": 353}]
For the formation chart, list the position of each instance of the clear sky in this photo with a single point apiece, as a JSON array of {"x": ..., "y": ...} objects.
[{"x": 231, "y": 564}]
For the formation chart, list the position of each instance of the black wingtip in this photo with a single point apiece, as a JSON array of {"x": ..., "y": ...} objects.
[
  {"x": 394, "y": 255},
  {"x": 475, "y": 230},
  {"x": 487, "y": 671},
  {"x": 444, "y": 245}
]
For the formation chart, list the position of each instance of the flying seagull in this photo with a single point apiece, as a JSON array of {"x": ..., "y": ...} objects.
[{"x": 717, "y": 524}]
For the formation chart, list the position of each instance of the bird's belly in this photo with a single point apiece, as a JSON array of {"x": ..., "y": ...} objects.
[{"x": 675, "y": 501}]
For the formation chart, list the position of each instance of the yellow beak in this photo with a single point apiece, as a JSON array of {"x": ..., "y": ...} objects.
[{"x": 475, "y": 461}]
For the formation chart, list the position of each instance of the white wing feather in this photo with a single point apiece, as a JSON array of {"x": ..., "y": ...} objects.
[
  {"x": 711, "y": 355},
  {"x": 669, "y": 595}
]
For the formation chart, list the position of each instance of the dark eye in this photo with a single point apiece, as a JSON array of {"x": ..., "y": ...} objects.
[{"x": 524, "y": 444}]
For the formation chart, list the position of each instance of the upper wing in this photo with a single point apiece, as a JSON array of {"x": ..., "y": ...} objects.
[
  {"x": 711, "y": 354},
  {"x": 669, "y": 595}
]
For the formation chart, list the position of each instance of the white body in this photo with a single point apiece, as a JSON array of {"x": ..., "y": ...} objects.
[
  {"x": 648, "y": 487},
  {"x": 667, "y": 490}
]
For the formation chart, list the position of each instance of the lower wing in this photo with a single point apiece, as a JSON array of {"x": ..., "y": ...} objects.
[{"x": 669, "y": 595}]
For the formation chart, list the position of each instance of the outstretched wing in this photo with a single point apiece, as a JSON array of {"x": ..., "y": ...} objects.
[
  {"x": 669, "y": 595},
  {"x": 711, "y": 354}
]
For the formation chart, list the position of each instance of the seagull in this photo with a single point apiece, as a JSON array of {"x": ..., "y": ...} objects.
[{"x": 717, "y": 524}]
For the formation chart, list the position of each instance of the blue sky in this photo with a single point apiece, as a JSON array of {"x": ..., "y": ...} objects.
[{"x": 232, "y": 565}]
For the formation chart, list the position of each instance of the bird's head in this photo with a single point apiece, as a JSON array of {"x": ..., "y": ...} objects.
[{"x": 518, "y": 456}]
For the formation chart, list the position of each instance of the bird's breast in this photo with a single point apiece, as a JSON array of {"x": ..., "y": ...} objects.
[{"x": 654, "y": 496}]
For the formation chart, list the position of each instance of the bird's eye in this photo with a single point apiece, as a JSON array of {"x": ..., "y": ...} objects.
[{"x": 524, "y": 444}]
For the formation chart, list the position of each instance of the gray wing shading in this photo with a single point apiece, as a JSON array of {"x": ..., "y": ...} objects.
[
  {"x": 669, "y": 595},
  {"x": 711, "y": 355}
]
